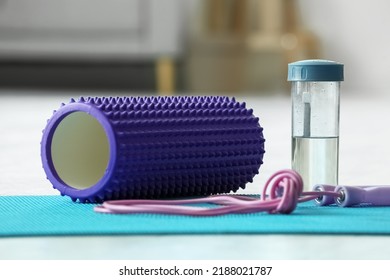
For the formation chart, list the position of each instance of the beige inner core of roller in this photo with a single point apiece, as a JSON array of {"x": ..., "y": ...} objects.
[{"x": 80, "y": 150}]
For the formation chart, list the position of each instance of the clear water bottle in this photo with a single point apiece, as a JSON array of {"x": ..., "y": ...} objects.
[{"x": 315, "y": 91}]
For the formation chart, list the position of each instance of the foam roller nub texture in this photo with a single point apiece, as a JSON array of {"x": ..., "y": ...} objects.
[{"x": 102, "y": 148}]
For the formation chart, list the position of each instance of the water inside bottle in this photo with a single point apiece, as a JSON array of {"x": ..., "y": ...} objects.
[{"x": 316, "y": 160}]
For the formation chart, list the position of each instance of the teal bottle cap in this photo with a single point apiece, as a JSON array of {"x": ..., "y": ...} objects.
[{"x": 315, "y": 70}]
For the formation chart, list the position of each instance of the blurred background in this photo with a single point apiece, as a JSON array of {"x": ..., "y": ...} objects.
[
  {"x": 53, "y": 49},
  {"x": 188, "y": 46}
]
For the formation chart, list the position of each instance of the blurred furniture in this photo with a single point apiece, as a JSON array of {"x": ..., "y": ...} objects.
[
  {"x": 89, "y": 34},
  {"x": 245, "y": 45}
]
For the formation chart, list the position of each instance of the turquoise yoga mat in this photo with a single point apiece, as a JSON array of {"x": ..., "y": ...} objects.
[{"x": 57, "y": 215}]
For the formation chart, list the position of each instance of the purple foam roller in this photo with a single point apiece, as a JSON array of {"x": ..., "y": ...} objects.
[{"x": 102, "y": 148}]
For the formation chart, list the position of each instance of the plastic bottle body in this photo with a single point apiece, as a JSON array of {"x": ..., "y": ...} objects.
[{"x": 315, "y": 131}]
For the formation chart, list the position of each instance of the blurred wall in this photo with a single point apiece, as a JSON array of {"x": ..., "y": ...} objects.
[
  {"x": 357, "y": 34},
  {"x": 352, "y": 32}
]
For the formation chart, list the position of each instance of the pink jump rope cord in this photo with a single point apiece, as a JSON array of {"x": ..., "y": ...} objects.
[{"x": 285, "y": 192}]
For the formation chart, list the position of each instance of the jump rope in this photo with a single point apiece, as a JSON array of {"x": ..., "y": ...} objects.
[
  {"x": 133, "y": 154},
  {"x": 285, "y": 192}
]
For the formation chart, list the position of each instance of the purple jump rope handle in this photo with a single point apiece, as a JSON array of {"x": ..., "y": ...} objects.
[
  {"x": 161, "y": 147},
  {"x": 353, "y": 195},
  {"x": 324, "y": 199}
]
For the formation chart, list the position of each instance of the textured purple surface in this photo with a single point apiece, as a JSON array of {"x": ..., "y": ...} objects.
[{"x": 166, "y": 146}]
